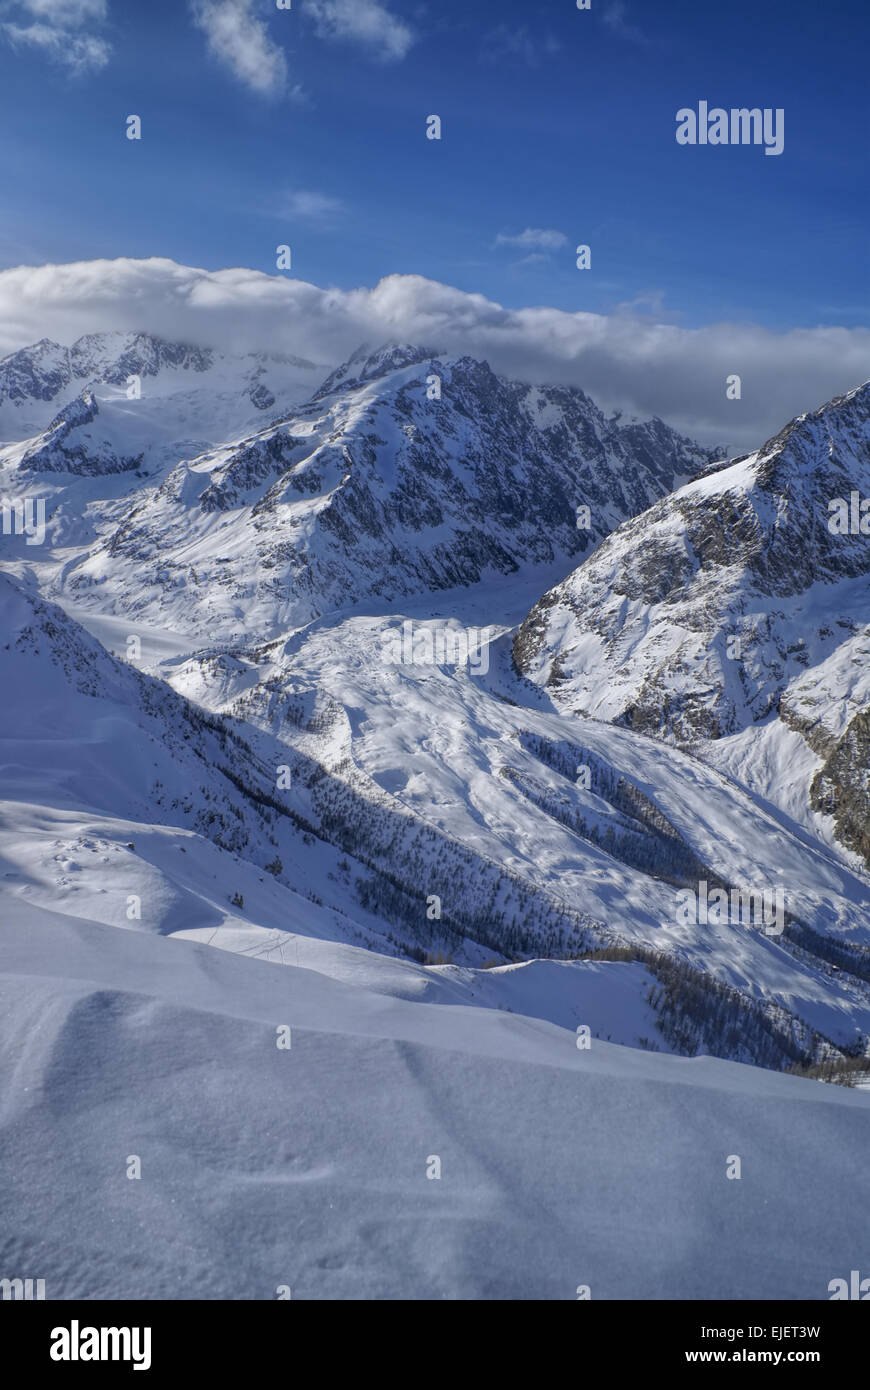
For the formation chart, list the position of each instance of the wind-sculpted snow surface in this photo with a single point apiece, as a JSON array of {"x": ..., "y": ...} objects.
[{"x": 309, "y": 1168}]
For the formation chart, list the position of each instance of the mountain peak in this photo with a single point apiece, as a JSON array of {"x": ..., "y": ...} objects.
[{"x": 369, "y": 364}]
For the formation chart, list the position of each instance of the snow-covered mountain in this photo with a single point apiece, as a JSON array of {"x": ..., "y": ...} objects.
[
  {"x": 272, "y": 696},
  {"x": 114, "y": 401},
  {"x": 84, "y": 425},
  {"x": 405, "y": 474},
  {"x": 735, "y": 611}
]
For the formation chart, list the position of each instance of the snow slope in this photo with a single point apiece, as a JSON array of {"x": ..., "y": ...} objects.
[
  {"x": 497, "y": 777},
  {"x": 113, "y": 788},
  {"x": 482, "y": 809},
  {"x": 306, "y": 1168}
]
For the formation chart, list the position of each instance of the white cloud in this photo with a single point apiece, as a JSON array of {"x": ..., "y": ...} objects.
[
  {"x": 309, "y": 206},
  {"x": 52, "y": 29},
  {"x": 534, "y": 238},
  {"x": 65, "y": 14},
  {"x": 79, "y": 54},
  {"x": 242, "y": 43},
  {"x": 624, "y": 360},
  {"x": 519, "y": 43},
  {"x": 362, "y": 21},
  {"x": 614, "y": 16},
  {"x": 648, "y": 301}
]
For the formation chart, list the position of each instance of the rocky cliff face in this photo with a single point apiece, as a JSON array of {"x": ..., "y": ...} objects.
[{"x": 841, "y": 788}]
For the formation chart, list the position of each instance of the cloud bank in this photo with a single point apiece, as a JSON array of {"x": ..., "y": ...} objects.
[{"x": 624, "y": 361}]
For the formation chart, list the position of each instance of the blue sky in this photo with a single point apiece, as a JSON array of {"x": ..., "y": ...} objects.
[{"x": 307, "y": 127}]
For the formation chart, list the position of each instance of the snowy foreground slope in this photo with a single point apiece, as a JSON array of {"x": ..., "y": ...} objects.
[
  {"x": 245, "y": 785},
  {"x": 307, "y": 1167}
]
